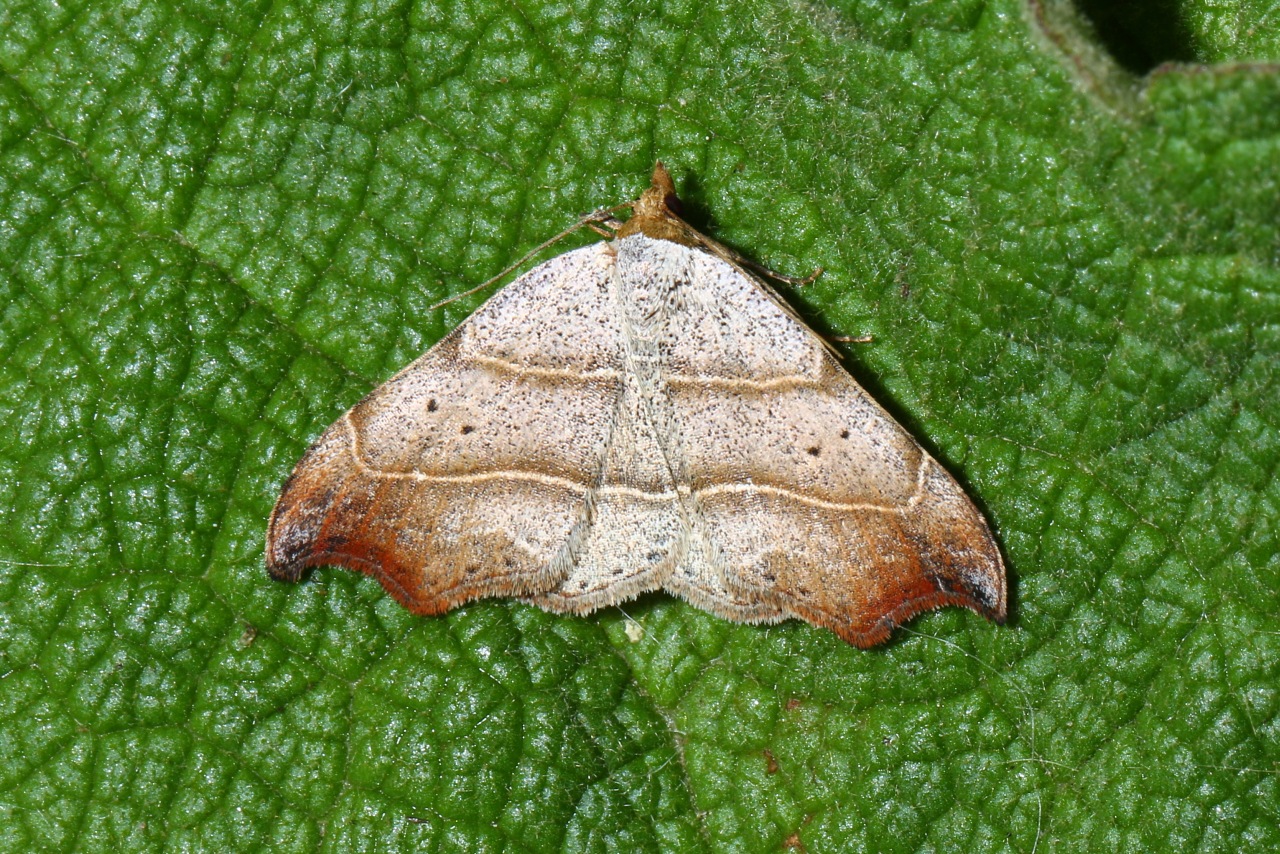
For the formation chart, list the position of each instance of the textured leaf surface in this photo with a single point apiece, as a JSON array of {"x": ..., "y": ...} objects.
[{"x": 220, "y": 225}]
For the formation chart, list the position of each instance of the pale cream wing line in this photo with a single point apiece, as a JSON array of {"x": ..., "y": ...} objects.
[
  {"x": 774, "y": 384},
  {"x": 629, "y": 491},
  {"x": 742, "y": 383},
  {"x": 760, "y": 489},
  {"x": 504, "y": 366}
]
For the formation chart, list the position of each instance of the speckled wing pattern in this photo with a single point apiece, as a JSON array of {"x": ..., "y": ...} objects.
[{"x": 632, "y": 416}]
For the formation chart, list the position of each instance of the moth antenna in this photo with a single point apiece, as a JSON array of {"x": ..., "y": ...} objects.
[
  {"x": 604, "y": 215},
  {"x": 796, "y": 281}
]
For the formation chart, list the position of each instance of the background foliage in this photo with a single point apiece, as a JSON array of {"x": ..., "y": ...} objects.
[{"x": 222, "y": 223}]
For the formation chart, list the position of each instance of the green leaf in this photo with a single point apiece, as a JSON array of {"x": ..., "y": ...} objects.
[{"x": 221, "y": 224}]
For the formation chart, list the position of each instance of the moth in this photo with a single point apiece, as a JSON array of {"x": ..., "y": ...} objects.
[{"x": 640, "y": 414}]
